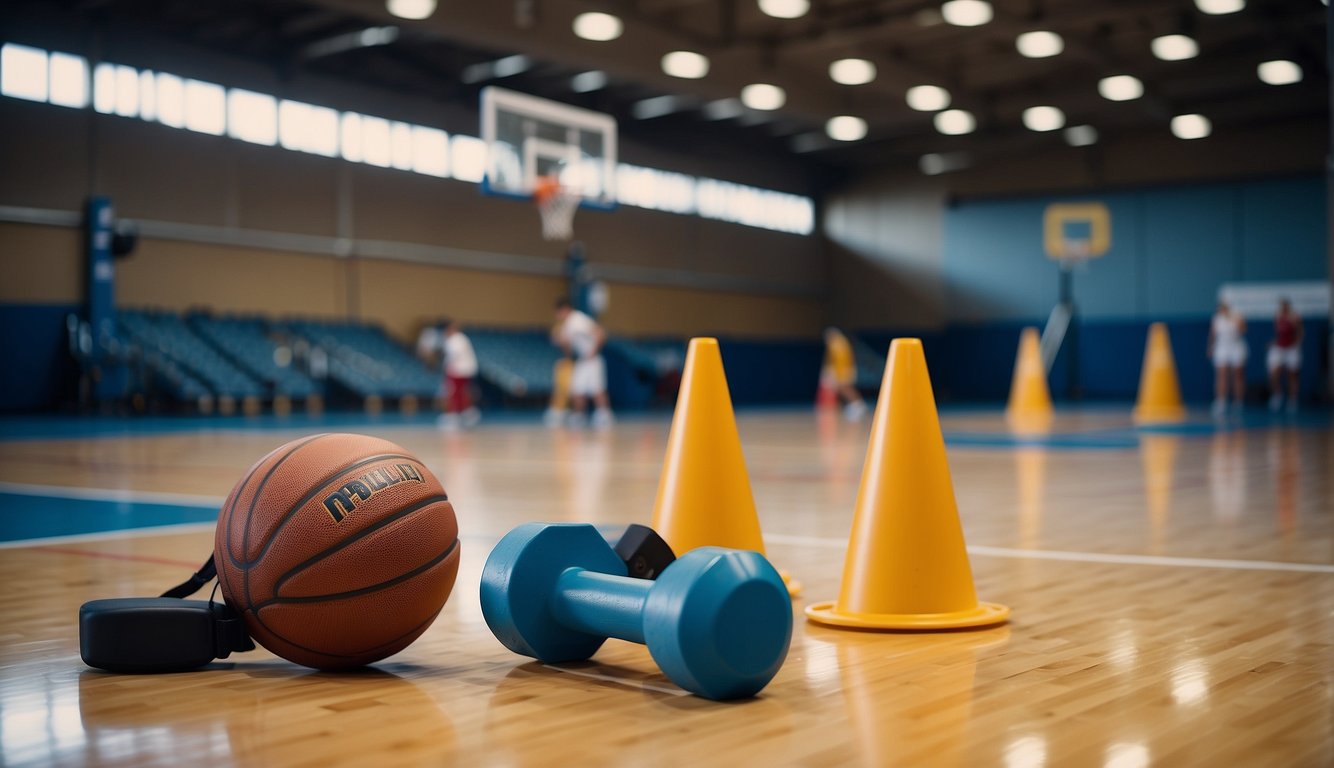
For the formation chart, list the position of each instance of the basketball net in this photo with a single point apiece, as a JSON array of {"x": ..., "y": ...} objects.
[
  {"x": 556, "y": 203},
  {"x": 1076, "y": 253}
]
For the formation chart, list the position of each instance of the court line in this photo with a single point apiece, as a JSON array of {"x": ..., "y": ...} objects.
[
  {"x": 128, "y": 533},
  {"x": 126, "y": 495},
  {"x": 119, "y": 556},
  {"x": 619, "y": 681},
  {"x": 1090, "y": 557}
]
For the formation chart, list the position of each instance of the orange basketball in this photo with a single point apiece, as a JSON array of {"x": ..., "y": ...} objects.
[{"x": 338, "y": 550}]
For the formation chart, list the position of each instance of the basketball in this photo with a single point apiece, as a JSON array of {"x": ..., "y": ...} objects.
[{"x": 338, "y": 550}]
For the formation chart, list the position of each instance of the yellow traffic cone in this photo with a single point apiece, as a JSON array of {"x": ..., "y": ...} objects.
[
  {"x": 907, "y": 567},
  {"x": 704, "y": 496},
  {"x": 1159, "y": 400},
  {"x": 1029, "y": 409}
]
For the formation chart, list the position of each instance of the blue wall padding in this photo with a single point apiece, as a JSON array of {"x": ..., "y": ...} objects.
[{"x": 39, "y": 370}]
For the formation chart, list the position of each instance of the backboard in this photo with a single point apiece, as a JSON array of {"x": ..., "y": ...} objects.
[{"x": 529, "y": 137}]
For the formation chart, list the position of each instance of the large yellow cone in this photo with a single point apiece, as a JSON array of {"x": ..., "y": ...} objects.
[
  {"x": 704, "y": 496},
  {"x": 1159, "y": 400},
  {"x": 907, "y": 567},
  {"x": 1030, "y": 401}
]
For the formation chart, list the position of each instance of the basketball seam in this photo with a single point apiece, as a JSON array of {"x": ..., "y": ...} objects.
[
  {"x": 361, "y": 590},
  {"x": 385, "y": 644},
  {"x": 254, "y": 499},
  {"x": 423, "y": 569},
  {"x": 319, "y": 488},
  {"x": 358, "y": 536},
  {"x": 245, "y": 537}
]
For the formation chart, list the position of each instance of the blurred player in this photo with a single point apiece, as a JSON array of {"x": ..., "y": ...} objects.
[
  {"x": 841, "y": 368},
  {"x": 1285, "y": 353},
  {"x": 1227, "y": 349},
  {"x": 459, "y": 365},
  {"x": 581, "y": 337}
]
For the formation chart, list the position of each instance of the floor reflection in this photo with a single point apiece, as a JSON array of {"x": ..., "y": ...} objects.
[
  {"x": 257, "y": 714},
  {"x": 1227, "y": 475},
  {"x": 1159, "y": 456},
  {"x": 913, "y": 689}
]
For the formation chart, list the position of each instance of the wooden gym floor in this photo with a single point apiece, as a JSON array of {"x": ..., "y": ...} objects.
[{"x": 1172, "y": 595}]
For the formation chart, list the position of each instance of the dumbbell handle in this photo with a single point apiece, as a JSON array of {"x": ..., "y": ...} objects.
[{"x": 601, "y": 604}]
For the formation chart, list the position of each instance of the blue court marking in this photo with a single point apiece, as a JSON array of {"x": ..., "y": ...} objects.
[{"x": 24, "y": 516}]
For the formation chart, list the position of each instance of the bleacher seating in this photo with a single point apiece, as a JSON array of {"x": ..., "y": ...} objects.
[
  {"x": 365, "y": 361},
  {"x": 250, "y": 346},
  {"x": 182, "y": 362},
  {"x": 518, "y": 363}
]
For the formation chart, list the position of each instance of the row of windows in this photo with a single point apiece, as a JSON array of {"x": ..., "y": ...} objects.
[{"x": 64, "y": 80}]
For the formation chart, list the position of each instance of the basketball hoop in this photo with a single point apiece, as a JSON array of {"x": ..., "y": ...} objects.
[
  {"x": 556, "y": 203},
  {"x": 1074, "y": 253}
]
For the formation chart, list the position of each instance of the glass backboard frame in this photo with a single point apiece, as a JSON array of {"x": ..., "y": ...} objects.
[{"x": 517, "y": 154}]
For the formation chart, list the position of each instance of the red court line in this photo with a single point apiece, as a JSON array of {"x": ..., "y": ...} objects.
[{"x": 118, "y": 556}]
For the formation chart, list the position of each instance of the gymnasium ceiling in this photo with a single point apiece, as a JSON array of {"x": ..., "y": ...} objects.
[{"x": 449, "y": 56}]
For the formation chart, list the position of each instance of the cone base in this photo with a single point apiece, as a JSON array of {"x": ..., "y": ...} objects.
[
  {"x": 983, "y": 615},
  {"x": 793, "y": 586},
  {"x": 1169, "y": 415}
]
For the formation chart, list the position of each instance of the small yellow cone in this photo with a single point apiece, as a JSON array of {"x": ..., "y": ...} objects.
[
  {"x": 1030, "y": 401},
  {"x": 704, "y": 496},
  {"x": 907, "y": 567},
  {"x": 1159, "y": 400}
]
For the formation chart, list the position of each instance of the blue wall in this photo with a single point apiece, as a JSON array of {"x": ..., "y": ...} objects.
[
  {"x": 1172, "y": 247},
  {"x": 35, "y": 336}
]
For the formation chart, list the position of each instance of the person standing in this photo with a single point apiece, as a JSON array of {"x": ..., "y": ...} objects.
[
  {"x": 1227, "y": 349},
  {"x": 459, "y": 367},
  {"x": 581, "y": 337},
  {"x": 1285, "y": 354},
  {"x": 841, "y": 368}
]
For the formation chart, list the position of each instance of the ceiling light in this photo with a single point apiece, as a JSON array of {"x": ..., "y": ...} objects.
[
  {"x": 1280, "y": 72},
  {"x": 955, "y": 122},
  {"x": 1040, "y": 44},
  {"x": 411, "y": 9},
  {"x": 1191, "y": 126},
  {"x": 1043, "y": 118},
  {"x": 687, "y": 64},
  {"x": 1081, "y": 135},
  {"x": 846, "y": 128},
  {"x": 1120, "y": 88},
  {"x": 785, "y": 9},
  {"x": 1219, "y": 7},
  {"x": 763, "y": 96},
  {"x": 928, "y": 98},
  {"x": 722, "y": 109},
  {"x": 852, "y": 71},
  {"x": 966, "y": 13},
  {"x": 587, "y": 82},
  {"x": 1174, "y": 47},
  {"x": 656, "y": 106},
  {"x": 597, "y": 26},
  {"x": 935, "y": 164}
]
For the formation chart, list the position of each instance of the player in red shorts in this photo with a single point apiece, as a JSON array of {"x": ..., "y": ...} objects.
[{"x": 1285, "y": 353}]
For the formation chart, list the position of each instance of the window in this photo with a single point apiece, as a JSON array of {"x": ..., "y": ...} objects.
[
  {"x": 252, "y": 117},
  {"x": 400, "y": 146},
  {"x": 170, "y": 99},
  {"x": 307, "y": 128},
  {"x": 430, "y": 151},
  {"x": 205, "y": 107},
  {"x": 69, "y": 80},
  {"x": 376, "y": 146},
  {"x": 23, "y": 72},
  {"x": 467, "y": 156}
]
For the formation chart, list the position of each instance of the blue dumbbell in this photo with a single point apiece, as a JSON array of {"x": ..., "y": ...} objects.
[{"x": 717, "y": 621}]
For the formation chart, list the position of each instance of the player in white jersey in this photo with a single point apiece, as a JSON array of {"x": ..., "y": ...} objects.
[
  {"x": 460, "y": 368},
  {"x": 581, "y": 337},
  {"x": 1227, "y": 349}
]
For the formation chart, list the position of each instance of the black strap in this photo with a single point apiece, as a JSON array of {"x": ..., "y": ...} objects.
[{"x": 204, "y": 576}]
